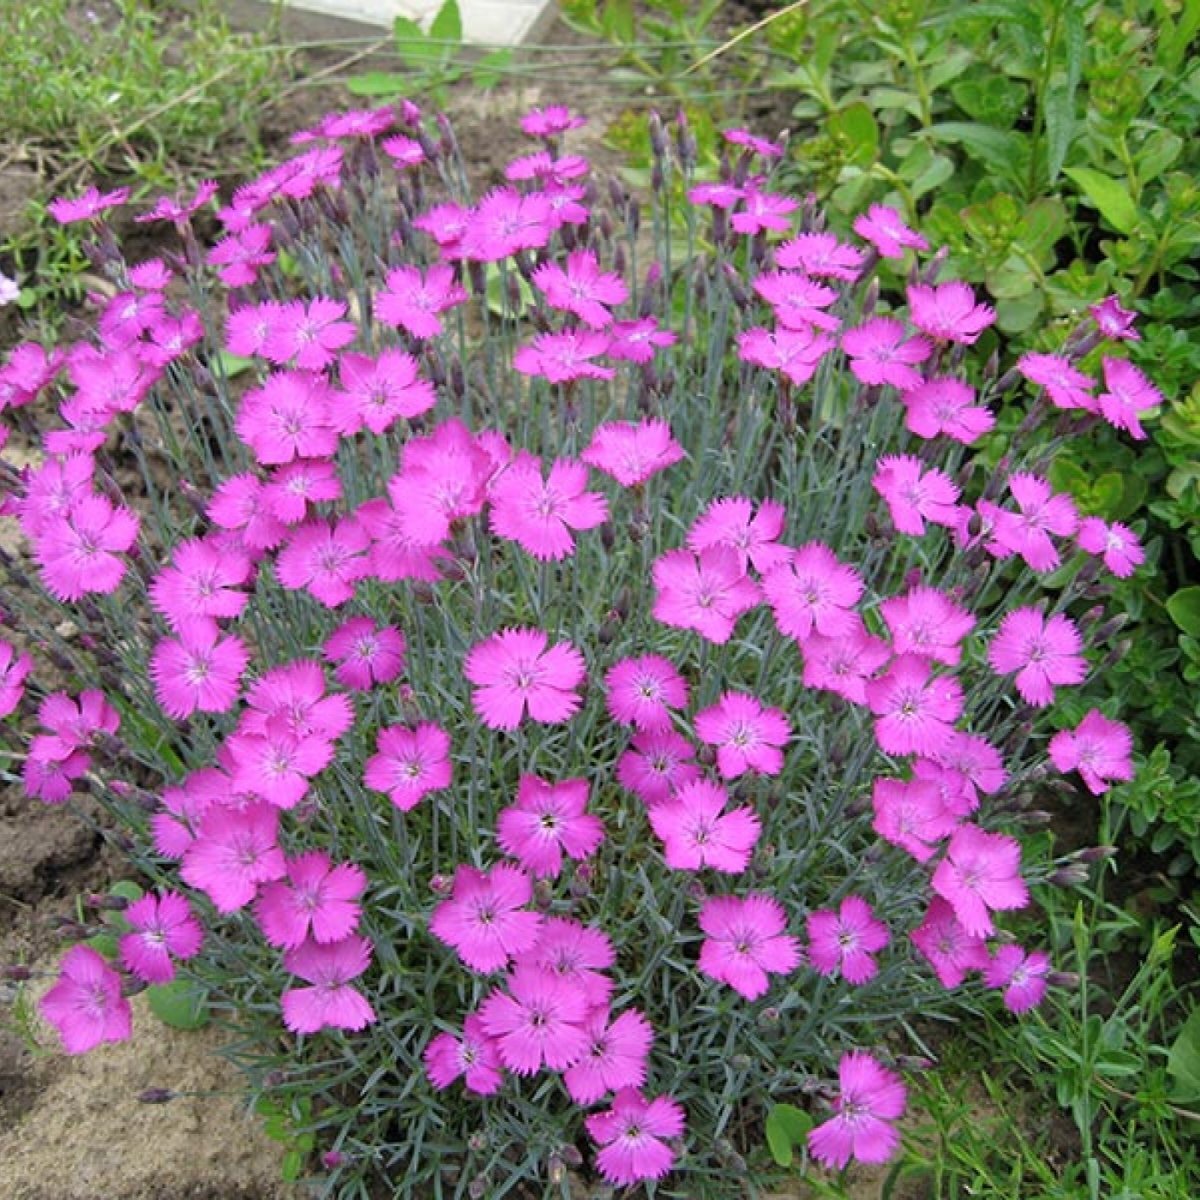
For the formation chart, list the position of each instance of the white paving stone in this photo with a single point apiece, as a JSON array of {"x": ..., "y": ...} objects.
[{"x": 485, "y": 22}]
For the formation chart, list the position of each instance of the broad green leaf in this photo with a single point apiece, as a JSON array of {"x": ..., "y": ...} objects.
[
  {"x": 618, "y": 22},
  {"x": 1184, "y": 608},
  {"x": 949, "y": 65},
  {"x": 490, "y": 69},
  {"x": 1004, "y": 151},
  {"x": 1157, "y": 153},
  {"x": 1020, "y": 313},
  {"x": 855, "y": 128},
  {"x": 375, "y": 83},
  {"x": 447, "y": 25},
  {"x": 1107, "y": 194},
  {"x": 1058, "y": 108},
  {"x": 1043, "y": 225},
  {"x": 787, "y": 1126},
  {"x": 1183, "y": 1060},
  {"x": 991, "y": 99},
  {"x": 104, "y": 944},
  {"x": 179, "y": 1004},
  {"x": 1175, "y": 39},
  {"x": 413, "y": 46},
  {"x": 126, "y": 889}
]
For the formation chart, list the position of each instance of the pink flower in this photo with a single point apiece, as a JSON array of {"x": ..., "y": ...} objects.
[
  {"x": 947, "y": 312},
  {"x": 14, "y": 669},
  {"x": 76, "y": 722},
  {"x": 317, "y": 900},
  {"x": 380, "y": 390},
  {"x": 366, "y": 654},
  {"x": 1119, "y": 545},
  {"x": 927, "y": 622},
  {"x": 697, "y": 832},
  {"x": 795, "y": 352},
  {"x": 548, "y": 821},
  {"x": 974, "y": 760},
  {"x": 290, "y": 700},
  {"x": 485, "y": 919},
  {"x": 538, "y": 1022},
  {"x": 86, "y": 1005},
  {"x": 288, "y": 417},
  {"x": 576, "y": 952},
  {"x": 515, "y": 673},
  {"x": 881, "y": 353},
  {"x": 631, "y": 1134},
  {"x": 198, "y": 671},
  {"x": 814, "y": 592},
  {"x": 705, "y": 592},
  {"x": 844, "y": 942},
  {"x": 635, "y": 341},
  {"x": 239, "y": 505},
  {"x": 1027, "y": 533},
  {"x": 915, "y": 709},
  {"x": 884, "y": 228},
  {"x": 410, "y": 763},
  {"x": 414, "y": 300},
  {"x": 642, "y": 691},
  {"x": 615, "y": 1057},
  {"x": 309, "y": 334},
  {"x": 944, "y": 406},
  {"x": 1114, "y": 321},
  {"x": 163, "y": 929},
  {"x": 331, "y": 1003},
  {"x": 757, "y": 145},
  {"x": 202, "y": 581},
  {"x": 87, "y": 206},
  {"x": 843, "y": 664},
  {"x": 748, "y": 737},
  {"x": 981, "y": 872},
  {"x": 581, "y": 288},
  {"x": 539, "y": 514},
  {"x": 1044, "y": 653},
  {"x": 746, "y": 942},
  {"x": 915, "y": 495},
  {"x": 733, "y": 522},
  {"x": 504, "y": 222},
  {"x": 820, "y": 255},
  {"x": 564, "y": 357},
  {"x": 296, "y": 485},
  {"x": 1129, "y": 394},
  {"x": 78, "y": 553},
  {"x": 473, "y": 1056},
  {"x": 239, "y": 255},
  {"x": 947, "y": 946},
  {"x": 761, "y": 211},
  {"x": 1021, "y": 974},
  {"x": 235, "y": 850},
  {"x": 911, "y": 814},
  {"x": 869, "y": 1098},
  {"x": 1066, "y": 387},
  {"x": 1099, "y": 749},
  {"x": 554, "y": 118},
  {"x": 797, "y": 301},
  {"x": 632, "y": 453},
  {"x": 326, "y": 559},
  {"x": 659, "y": 763}
]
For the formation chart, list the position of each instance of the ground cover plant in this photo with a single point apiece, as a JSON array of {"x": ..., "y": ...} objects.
[{"x": 572, "y": 688}]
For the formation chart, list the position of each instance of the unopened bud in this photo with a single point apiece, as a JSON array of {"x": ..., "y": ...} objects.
[
  {"x": 477, "y": 1188},
  {"x": 556, "y": 1169},
  {"x": 16, "y": 973},
  {"x": 441, "y": 885},
  {"x": 1095, "y": 854},
  {"x": 914, "y": 1062},
  {"x": 477, "y": 1143},
  {"x": 156, "y": 1096},
  {"x": 1072, "y": 875},
  {"x": 543, "y": 895},
  {"x": 1062, "y": 979},
  {"x": 106, "y": 902},
  {"x": 332, "y": 1158},
  {"x": 571, "y": 1156},
  {"x": 274, "y": 1079}
]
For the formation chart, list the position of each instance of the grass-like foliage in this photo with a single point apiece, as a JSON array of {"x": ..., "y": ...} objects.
[{"x": 555, "y": 654}]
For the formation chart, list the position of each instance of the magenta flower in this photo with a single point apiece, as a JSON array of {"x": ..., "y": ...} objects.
[
  {"x": 75, "y": 722},
  {"x": 1116, "y": 543},
  {"x": 379, "y": 390},
  {"x": 843, "y": 665},
  {"x": 795, "y": 352},
  {"x": 631, "y": 1135},
  {"x": 548, "y": 821},
  {"x": 86, "y": 206},
  {"x": 577, "y": 952},
  {"x": 761, "y": 211},
  {"x": 325, "y": 559},
  {"x": 915, "y": 495},
  {"x": 945, "y": 406},
  {"x": 1066, "y": 387},
  {"x": 290, "y": 700},
  {"x": 540, "y": 1021},
  {"x": 615, "y": 1058},
  {"x": 410, "y": 763},
  {"x": 844, "y": 941},
  {"x": 201, "y": 581},
  {"x": 366, "y": 654},
  {"x": 797, "y": 301},
  {"x": 551, "y": 120},
  {"x": 1021, "y": 975},
  {"x": 885, "y": 229},
  {"x": 947, "y": 946},
  {"x": 288, "y": 417},
  {"x": 705, "y": 592},
  {"x": 870, "y": 1097},
  {"x": 239, "y": 255},
  {"x": 814, "y": 592},
  {"x": 974, "y": 760},
  {"x": 235, "y": 851},
  {"x": 565, "y": 356},
  {"x": 747, "y": 736},
  {"x": 733, "y": 522},
  {"x": 1099, "y": 749},
  {"x": 632, "y": 453},
  {"x": 642, "y": 691},
  {"x": 657, "y": 765},
  {"x": 881, "y": 352},
  {"x": 309, "y": 335},
  {"x": 1115, "y": 322},
  {"x": 514, "y": 673},
  {"x": 915, "y": 709},
  {"x": 198, "y": 671},
  {"x": 697, "y": 831},
  {"x": 239, "y": 505},
  {"x": 980, "y": 873},
  {"x": 635, "y": 341},
  {"x": 485, "y": 919},
  {"x": 163, "y": 929},
  {"x": 504, "y": 222},
  {"x": 820, "y": 255},
  {"x": 1027, "y": 533},
  {"x": 539, "y": 514},
  {"x": 86, "y": 1005},
  {"x": 331, "y": 1003},
  {"x": 473, "y": 1056},
  {"x": 927, "y": 622},
  {"x": 14, "y": 670},
  {"x": 947, "y": 312},
  {"x": 1128, "y": 394},
  {"x": 316, "y": 900},
  {"x": 911, "y": 814},
  {"x": 78, "y": 553},
  {"x": 1043, "y": 651},
  {"x": 294, "y": 486},
  {"x": 581, "y": 288},
  {"x": 414, "y": 300},
  {"x": 746, "y": 942}
]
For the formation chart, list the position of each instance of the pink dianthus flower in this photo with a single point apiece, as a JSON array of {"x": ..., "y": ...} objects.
[
  {"x": 915, "y": 495},
  {"x": 539, "y": 1021},
  {"x": 632, "y": 1134},
  {"x": 947, "y": 312},
  {"x": 1043, "y": 651},
  {"x": 705, "y": 592},
  {"x": 697, "y": 831},
  {"x": 317, "y": 899},
  {"x": 747, "y": 736},
  {"x": 86, "y": 1005},
  {"x": 485, "y": 919},
  {"x": 632, "y": 453},
  {"x": 366, "y": 654},
  {"x": 515, "y": 673},
  {"x": 947, "y": 946},
  {"x": 473, "y": 1055},
  {"x": 581, "y": 288},
  {"x": 1020, "y": 974},
  {"x": 869, "y": 1099},
  {"x": 981, "y": 872},
  {"x": 548, "y": 821},
  {"x": 539, "y": 514},
  {"x": 844, "y": 942},
  {"x": 331, "y": 1003},
  {"x": 746, "y": 941},
  {"x": 1099, "y": 749},
  {"x": 914, "y": 709},
  {"x": 410, "y": 763},
  {"x": 642, "y": 691},
  {"x": 163, "y": 929},
  {"x": 813, "y": 592},
  {"x": 884, "y": 228}
]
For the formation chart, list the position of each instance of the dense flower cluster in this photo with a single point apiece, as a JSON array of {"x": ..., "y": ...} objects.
[{"x": 589, "y": 642}]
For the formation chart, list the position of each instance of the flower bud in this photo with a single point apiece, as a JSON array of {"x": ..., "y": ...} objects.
[
  {"x": 477, "y": 1188},
  {"x": 16, "y": 973},
  {"x": 441, "y": 885},
  {"x": 1095, "y": 854},
  {"x": 106, "y": 903},
  {"x": 332, "y": 1158},
  {"x": 1062, "y": 979},
  {"x": 1071, "y": 875}
]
